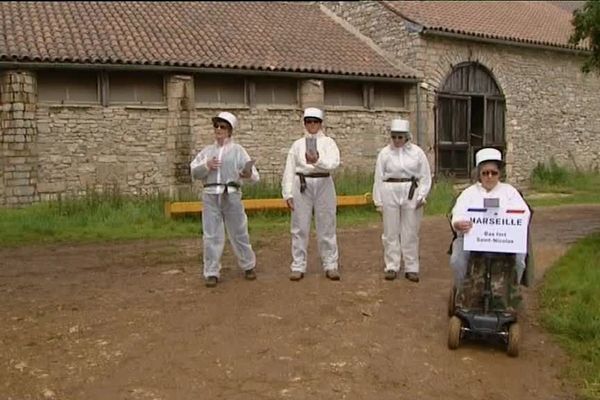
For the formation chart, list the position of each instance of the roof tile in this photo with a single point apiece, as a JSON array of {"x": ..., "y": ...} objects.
[
  {"x": 279, "y": 36},
  {"x": 536, "y": 22}
]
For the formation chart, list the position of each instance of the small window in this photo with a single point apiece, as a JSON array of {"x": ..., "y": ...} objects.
[
  {"x": 61, "y": 86},
  {"x": 388, "y": 95},
  {"x": 276, "y": 91},
  {"x": 219, "y": 89},
  {"x": 135, "y": 87},
  {"x": 348, "y": 94}
]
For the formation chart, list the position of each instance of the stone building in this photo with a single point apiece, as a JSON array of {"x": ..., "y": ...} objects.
[
  {"x": 496, "y": 74},
  {"x": 105, "y": 94},
  {"x": 120, "y": 94}
]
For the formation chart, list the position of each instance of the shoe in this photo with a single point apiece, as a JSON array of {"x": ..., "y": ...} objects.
[
  {"x": 389, "y": 274},
  {"x": 211, "y": 281},
  {"x": 412, "y": 276},
  {"x": 250, "y": 274},
  {"x": 296, "y": 275},
  {"x": 333, "y": 274}
]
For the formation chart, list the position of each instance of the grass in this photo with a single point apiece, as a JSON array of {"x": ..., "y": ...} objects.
[
  {"x": 112, "y": 216},
  {"x": 551, "y": 177},
  {"x": 571, "y": 311}
]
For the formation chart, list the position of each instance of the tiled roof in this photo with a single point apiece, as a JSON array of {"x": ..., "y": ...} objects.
[
  {"x": 534, "y": 22},
  {"x": 273, "y": 36}
]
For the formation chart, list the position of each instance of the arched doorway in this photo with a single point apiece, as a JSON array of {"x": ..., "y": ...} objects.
[{"x": 470, "y": 110}]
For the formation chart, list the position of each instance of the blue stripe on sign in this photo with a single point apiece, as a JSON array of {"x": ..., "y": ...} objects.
[{"x": 477, "y": 209}]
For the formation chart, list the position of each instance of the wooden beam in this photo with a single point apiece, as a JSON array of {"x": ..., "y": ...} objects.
[{"x": 195, "y": 207}]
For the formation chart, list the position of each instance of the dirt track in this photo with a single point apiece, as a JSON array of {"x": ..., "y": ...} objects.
[{"x": 133, "y": 321}]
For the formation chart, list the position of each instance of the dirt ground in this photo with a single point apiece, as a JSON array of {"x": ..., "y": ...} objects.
[{"x": 132, "y": 320}]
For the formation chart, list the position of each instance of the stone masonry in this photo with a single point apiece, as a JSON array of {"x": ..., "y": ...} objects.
[
  {"x": 18, "y": 152},
  {"x": 51, "y": 150},
  {"x": 552, "y": 108}
]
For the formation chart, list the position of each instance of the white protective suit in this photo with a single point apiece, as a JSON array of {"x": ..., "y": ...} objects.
[
  {"x": 223, "y": 204},
  {"x": 473, "y": 197},
  {"x": 319, "y": 195},
  {"x": 401, "y": 217}
]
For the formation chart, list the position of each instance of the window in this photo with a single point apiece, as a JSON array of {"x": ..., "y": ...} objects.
[
  {"x": 220, "y": 89},
  {"x": 61, "y": 86},
  {"x": 344, "y": 94},
  {"x": 276, "y": 91},
  {"x": 135, "y": 87},
  {"x": 388, "y": 95}
]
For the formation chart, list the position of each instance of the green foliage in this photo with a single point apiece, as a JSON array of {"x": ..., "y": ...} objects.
[
  {"x": 571, "y": 310},
  {"x": 108, "y": 215},
  {"x": 586, "y": 22},
  {"x": 553, "y": 177}
]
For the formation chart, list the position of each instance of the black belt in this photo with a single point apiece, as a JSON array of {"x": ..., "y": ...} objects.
[
  {"x": 413, "y": 186},
  {"x": 313, "y": 175},
  {"x": 226, "y": 185}
]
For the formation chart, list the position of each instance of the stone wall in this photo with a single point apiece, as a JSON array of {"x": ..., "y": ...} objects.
[
  {"x": 98, "y": 148},
  {"x": 75, "y": 149},
  {"x": 18, "y": 136},
  {"x": 551, "y": 107}
]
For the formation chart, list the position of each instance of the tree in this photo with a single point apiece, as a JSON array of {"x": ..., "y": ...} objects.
[{"x": 586, "y": 21}]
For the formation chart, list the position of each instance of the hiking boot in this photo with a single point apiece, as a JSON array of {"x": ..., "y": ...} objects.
[
  {"x": 211, "y": 281},
  {"x": 333, "y": 274},
  {"x": 250, "y": 274},
  {"x": 412, "y": 276},
  {"x": 296, "y": 275},
  {"x": 389, "y": 274}
]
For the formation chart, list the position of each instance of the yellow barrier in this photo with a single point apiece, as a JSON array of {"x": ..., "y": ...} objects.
[{"x": 195, "y": 207}]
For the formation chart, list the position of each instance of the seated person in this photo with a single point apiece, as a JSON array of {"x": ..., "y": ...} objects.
[{"x": 489, "y": 168}]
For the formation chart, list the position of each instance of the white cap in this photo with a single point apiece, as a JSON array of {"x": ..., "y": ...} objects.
[
  {"x": 226, "y": 116},
  {"x": 400, "y": 125},
  {"x": 488, "y": 154},
  {"x": 313, "y": 112}
]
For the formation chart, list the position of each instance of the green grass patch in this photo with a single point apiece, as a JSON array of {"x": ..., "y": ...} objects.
[
  {"x": 551, "y": 177},
  {"x": 112, "y": 216},
  {"x": 571, "y": 311}
]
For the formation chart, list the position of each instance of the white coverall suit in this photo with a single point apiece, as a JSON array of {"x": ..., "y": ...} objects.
[
  {"x": 401, "y": 217},
  {"x": 318, "y": 194},
  {"x": 222, "y": 203},
  {"x": 473, "y": 196}
]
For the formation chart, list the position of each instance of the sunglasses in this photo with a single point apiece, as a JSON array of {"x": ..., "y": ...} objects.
[
  {"x": 399, "y": 137},
  {"x": 221, "y": 126},
  {"x": 490, "y": 173},
  {"x": 311, "y": 121}
]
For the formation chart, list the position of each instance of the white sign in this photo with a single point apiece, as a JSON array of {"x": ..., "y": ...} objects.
[{"x": 497, "y": 230}]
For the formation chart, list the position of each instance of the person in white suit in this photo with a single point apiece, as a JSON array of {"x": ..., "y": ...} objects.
[
  {"x": 307, "y": 185},
  {"x": 401, "y": 184},
  {"x": 223, "y": 166}
]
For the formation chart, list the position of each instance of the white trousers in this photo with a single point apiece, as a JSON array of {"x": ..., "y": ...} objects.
[
  {"x": 319, "y": 196},
  {"x": 220, "y": 211},
  {"x": 459, "y": 261},
  {"x": 401, "y": 224}
]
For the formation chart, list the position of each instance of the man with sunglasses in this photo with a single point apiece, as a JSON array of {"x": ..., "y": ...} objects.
[
  {"x": 489, "y": 167},
  {"x": 307, "y": 185},
  {"x": 222, "y": 167},
  {"x": 401, "y": 184}
]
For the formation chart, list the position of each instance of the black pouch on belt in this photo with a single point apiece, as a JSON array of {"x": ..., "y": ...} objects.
[
  {"x": 414, "y": 184},
  {"x": 302, "y": 183}
]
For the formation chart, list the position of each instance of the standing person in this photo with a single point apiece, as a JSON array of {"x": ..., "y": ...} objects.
[
  {"x": 489, "y": 168},
  {"x": 401, "y": 185},
  {"x": 307, "y": 185},
  {"x": 222, "y": 166}
]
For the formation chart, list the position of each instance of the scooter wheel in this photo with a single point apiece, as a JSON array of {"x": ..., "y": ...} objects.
[
  {"x": 514, "y": 337},
  {"x": 454, "y": 332},
  {"x": 451, "y": 302}
]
